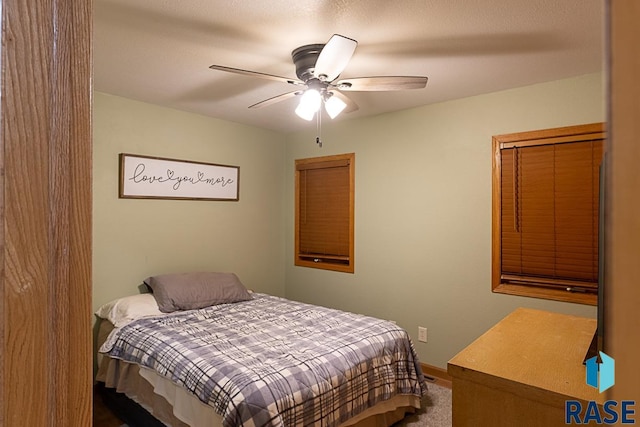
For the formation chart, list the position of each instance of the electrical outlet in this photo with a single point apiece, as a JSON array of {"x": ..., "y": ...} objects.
[{"x": 422, "y": 334}]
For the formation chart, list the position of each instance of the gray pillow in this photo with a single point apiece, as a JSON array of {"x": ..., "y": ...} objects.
[{"x": 187, "y": 291}]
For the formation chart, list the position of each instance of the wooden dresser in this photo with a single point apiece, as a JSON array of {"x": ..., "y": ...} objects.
[{"x": 522, "y": 370}]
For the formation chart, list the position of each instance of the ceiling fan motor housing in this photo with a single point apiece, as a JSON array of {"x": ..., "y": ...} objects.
[{"x": 305, "y": 58}]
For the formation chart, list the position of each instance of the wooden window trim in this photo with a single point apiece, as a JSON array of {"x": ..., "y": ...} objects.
[
  {"x": 343, "y": 264},
  {"x": 550, "y": 136}
]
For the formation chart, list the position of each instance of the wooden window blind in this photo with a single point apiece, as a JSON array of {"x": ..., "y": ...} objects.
[
  {"x": 546, "y": 204},
  {"x": 324, "y": 212}
]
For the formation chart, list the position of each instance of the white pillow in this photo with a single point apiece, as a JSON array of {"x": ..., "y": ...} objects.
[{"x": 125, "y": 310}]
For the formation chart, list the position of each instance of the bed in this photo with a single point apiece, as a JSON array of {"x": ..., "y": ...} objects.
[{"x": 254, "y": 359}]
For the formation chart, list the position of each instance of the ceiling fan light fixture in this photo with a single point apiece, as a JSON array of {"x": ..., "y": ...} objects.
[
  {"x": 309, "y": 104},
  {"x": 334, "y": 106},
  {"x": 318, "y": 67}
]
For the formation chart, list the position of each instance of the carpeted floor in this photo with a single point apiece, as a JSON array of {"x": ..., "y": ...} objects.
[{"x": 435, "y": 411}]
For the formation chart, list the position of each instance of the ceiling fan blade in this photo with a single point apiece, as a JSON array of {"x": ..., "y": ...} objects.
[
  {"x": 351, "y": 105},
  {"x": 381, "y": 83},
  {"x": 276, "y": 99},
  {"x": 257, "y": 74},
  {"x": 334, "y": 57}
]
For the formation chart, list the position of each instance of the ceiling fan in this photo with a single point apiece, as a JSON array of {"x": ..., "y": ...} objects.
[{"x": 318, "y": 67}]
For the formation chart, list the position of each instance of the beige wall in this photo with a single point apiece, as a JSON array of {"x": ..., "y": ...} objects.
[
  {"x": 133, "y": 239},
  {"x": 423, "y": 210}
]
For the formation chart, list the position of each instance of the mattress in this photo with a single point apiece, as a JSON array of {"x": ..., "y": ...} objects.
[{"x": 386, "y": 386}]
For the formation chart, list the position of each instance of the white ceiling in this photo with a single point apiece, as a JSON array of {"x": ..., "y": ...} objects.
[{"x": 159, "y": 51}]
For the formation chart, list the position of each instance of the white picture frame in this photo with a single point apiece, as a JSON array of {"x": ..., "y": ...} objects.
[{"x": 147, "y": 177}]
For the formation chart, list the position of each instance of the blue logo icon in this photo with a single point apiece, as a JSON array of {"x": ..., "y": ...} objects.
[{"x": 601, "y": 374}]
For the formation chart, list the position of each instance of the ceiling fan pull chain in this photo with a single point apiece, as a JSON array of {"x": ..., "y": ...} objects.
[{"x": 319, "y": 128}]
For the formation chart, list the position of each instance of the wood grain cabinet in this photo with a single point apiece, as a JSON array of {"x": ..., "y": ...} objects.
[{"x": 522, "y": 370}]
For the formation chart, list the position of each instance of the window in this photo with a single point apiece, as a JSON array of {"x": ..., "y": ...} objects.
[
  {"x": 324, "y": 212},
  {"x": 545, "y": 213}
]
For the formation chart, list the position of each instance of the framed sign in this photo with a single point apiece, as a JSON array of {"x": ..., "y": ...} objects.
[{"x": 144, "y": 177}]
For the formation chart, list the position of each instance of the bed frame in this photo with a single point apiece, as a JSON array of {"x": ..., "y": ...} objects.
[{"x": 126, "y": 409}]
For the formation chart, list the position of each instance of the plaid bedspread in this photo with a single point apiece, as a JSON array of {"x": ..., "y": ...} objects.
[{"x": 275, "y": 362}]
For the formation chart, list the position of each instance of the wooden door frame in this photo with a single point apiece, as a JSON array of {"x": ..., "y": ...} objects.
[
  {"x": 622, "y": 218},
  {"x": 45, "y": 207}
]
